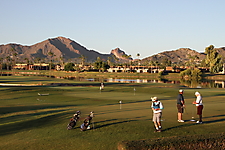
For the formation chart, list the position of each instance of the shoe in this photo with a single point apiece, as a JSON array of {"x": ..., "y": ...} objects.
[
  {"x": 200, "y": 122},
  {"x": 159, "y": 130},
  {"x": 180, "y": 120}
]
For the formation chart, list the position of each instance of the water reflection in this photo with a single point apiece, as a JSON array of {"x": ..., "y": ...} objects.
[
  {"x": 188, "y": 83},
  {"x": 191, "y": 84}
]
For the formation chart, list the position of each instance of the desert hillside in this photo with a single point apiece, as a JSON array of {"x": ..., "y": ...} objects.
[{"x": 61, "y": 48}]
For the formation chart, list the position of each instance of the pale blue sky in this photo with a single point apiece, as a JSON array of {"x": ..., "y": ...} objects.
[{"x": 146, "y": 27}]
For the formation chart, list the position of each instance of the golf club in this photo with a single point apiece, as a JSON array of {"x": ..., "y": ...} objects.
[
  {"x": 185, "y": 110},
  {"x": 93, "y": 125},
  {"x": 192, "y": 118}
]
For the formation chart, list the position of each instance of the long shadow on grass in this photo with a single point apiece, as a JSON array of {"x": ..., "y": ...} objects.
[
  {"x": 179, "y": 126},
  {"x": 219, "y": 95},
  {"x": 217, "y": 120},
  {"x": 4, "y": 110},
  {"x": 15, "y": 117},
  {"x": 31, "y": 124},
  {"x": 215, "y": 116},
  {"x": 113, "y": 123},
  {"x": 213, "y": 121},
  {"x": 204, "y": 122}
]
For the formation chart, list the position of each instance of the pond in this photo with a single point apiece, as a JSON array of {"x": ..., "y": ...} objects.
[{"x": 191, "y": 84}]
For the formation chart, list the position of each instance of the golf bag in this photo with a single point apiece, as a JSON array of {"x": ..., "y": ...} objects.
[
  {"x": 73, "y": 121},
  {"x": 87, "y": 122}
]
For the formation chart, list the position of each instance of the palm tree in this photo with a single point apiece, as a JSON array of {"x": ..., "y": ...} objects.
[
  {"x": 13, "y": 55},
  {"x": 1, "y": 62},
  {"x": 8, "y": 59},
  {"x": 138, "y": 55},
  {"x": 51, "y": 54},
  {"x": 61, "y": 61},
  {"x": 37, "y": 60},
  {"x": 83, "y": 58},
  {"x": 192, "y": 60},
  {"x": 109, "y": 61},
  {"x": 151, "y": 63}
]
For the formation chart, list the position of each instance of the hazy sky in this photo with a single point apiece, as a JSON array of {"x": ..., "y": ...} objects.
[{"x": 146, "y": 27}]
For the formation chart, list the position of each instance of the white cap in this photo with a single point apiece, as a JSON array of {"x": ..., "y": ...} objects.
[
  {"x": 154, "y": 98},
  {"x": 197, "y": 93},
  {"x": 181, "y": 91}
]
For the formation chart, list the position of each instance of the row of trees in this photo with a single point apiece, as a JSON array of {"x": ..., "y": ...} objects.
[
  {"x": 99, "y": 65},
  {"x": 213, "y": 61}
]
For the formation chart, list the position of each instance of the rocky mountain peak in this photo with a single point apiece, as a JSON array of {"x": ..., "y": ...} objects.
[{"x": 120, "y": 54}]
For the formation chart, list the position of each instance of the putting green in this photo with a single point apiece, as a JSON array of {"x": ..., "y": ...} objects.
[{"x": 29, "y": 121}]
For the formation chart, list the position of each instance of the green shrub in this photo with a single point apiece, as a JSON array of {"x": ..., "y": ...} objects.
[{"x": 190, "y": 74}]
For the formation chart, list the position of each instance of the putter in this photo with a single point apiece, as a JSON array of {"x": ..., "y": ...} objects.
[
  {"x": 193, "y": 118},
  {"x": 93, "y": 125},
  {"x": 185, "y": 110}
]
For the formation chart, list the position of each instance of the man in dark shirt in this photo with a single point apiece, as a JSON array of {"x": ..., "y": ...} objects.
[{"x": 180, "y": 105}]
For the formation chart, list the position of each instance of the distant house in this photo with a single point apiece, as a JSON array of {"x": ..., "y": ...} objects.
[
  {"x": 39, "y": 67},
  {"x": 21, "y": 66},
  {"x": 59, "y": 67},
  {"x": 173, "y": 69},
  {"x": 223, "y": 70},
  {"x": 31, "y": 66},
  {"x": 119, "y": 69}
]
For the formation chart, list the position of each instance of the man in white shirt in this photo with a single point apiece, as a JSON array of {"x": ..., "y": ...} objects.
[
  {"x": 157, "y": 113},
  {"x": 199, "y": 105}
]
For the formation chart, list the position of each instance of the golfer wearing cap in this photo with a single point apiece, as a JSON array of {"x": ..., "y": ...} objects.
[
  {"x": 180, "y": 105},
  {"x": 199, "y": 105},
  {"x": 157, "y": 113}
]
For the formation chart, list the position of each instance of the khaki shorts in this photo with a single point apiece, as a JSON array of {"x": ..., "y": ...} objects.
[
  {"x": 157, "y": 117},
  {"x": 180, "y": 108}
]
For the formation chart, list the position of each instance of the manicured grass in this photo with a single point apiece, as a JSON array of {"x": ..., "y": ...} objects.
[{"x": 29, "y": 121}]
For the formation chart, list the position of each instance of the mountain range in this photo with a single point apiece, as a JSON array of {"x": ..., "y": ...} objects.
[
  {"x": 60, "y": 47},
  {"x": 70, "y": 50},
  {"x": 180, "y": 55}
]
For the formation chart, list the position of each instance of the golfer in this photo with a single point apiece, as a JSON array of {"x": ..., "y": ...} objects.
[
  {"x": 157, "y": 113},
  {"x": 102, "y": 85},
  {"x": 180, "y": 105},
  {"x": 199, "y": 105}
]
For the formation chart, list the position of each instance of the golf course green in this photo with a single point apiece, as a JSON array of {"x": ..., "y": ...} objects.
[{"x": 29, "y": 121}]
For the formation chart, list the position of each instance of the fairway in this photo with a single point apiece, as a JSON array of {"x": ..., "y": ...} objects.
[{"x": 30, "y": 121}]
